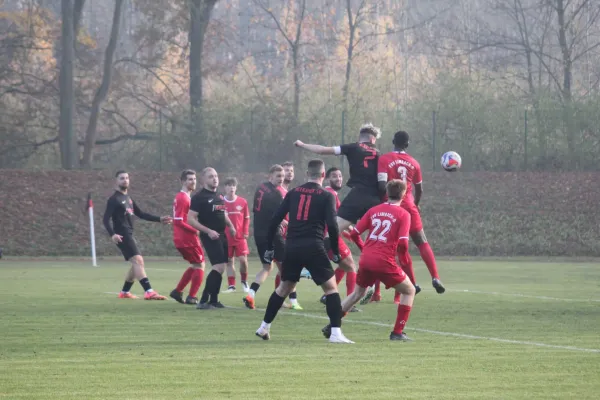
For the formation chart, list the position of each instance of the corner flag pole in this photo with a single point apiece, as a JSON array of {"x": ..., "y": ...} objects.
[{"x": 90, "y": 207}]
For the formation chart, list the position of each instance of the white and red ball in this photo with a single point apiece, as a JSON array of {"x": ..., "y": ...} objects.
[{"x": 451, "y": 161}]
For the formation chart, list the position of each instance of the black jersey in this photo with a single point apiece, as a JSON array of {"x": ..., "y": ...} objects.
[
  {"x": 211, "y": 209},
  {"x": 267, "y": 199},
  {"x": 120, "y": 208},
  {"x": 362, "y": 160},
  {"x": 311, "y": 209}
]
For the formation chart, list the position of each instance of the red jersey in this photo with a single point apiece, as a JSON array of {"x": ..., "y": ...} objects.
[
  {"x": 238, "y": 213},
  {"x": 400, "y": 165},
  {"x": 283, "y": 192},
  {"x": 387, "y": 225},
  {"x": 184, "y": 235},
  {"x": 331, "y": 190}
]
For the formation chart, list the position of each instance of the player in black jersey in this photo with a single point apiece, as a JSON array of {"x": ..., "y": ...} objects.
[
  {"x": 362, "y": 159},
  {"x": 208, "y": 214},
  {"x": 267, "y": 199},
  {"x": 120, "y": 208},
  {"x": 311, "y": 208}
]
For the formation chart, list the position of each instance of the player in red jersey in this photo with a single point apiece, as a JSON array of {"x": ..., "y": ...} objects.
[
  {"x": 346, "y": 265},
  {"x": 400, "y": 165},
  {"x": 237, "y": 210},
  {"x": 388, "y": 225},
  {"x": 186, "y": 240}
]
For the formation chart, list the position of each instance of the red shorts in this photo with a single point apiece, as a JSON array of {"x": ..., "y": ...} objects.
[
  {"x": 389, "y": 274},
  {"x": 344, "y": 250},
  {"x": 238, "y": 249},
  {"x": 416, "y": 225},
  {"x": 193, "y": 255}
]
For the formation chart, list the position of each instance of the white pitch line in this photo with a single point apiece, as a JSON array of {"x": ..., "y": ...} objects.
[
  {"x": 441, "y": 333},
  {"x": 528, "y": 296}
]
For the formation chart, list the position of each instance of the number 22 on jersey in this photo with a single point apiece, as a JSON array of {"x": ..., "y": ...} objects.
[{"x": 380, "y": 229}]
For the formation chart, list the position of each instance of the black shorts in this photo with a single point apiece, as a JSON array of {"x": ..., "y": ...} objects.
[
  {"x": 216, "y": 249},
  {"x": 278, "y": 246},
  {"x": 356, "y": 204},
  {"x": 128, "y": 247},
  {"x": 312, "y": 257}
]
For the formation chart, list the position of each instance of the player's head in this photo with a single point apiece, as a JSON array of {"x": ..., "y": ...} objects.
[
  {"x": 288, "y": 171},
  {"x": 395, "y": 189},
  {"x": 122, "y": 178},
  {"x": 334, "y": 175},
  {"x": 188, "y": 179},
  {"x": 230, "y": 186},
  {"x": 276, "y": 175},
  {"x": 401, "y": 140},
  {"x": 369, "y": 133},
  {"x": 316, "y": 170},
  {"x": 210, "y": 179}
]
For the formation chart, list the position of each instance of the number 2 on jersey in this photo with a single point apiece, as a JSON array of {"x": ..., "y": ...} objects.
[
  {"x": 303, "y": 207},
  {"x": 381, "y": 236}
]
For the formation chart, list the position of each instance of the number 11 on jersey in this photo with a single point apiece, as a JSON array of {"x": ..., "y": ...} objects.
[{"x": 303, "y": 207}]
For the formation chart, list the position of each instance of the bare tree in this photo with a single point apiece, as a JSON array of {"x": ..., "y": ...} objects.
[{"x": 68, "y": 141}]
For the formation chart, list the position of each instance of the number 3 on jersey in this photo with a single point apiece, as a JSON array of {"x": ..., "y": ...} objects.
[
  {"x": 402, "y": 171},
  {"x": 303, "y": 207},
  {"x": 377, "y": 224}
]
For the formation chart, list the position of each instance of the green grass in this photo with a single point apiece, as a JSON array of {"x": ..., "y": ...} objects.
[{"x": 63, "y": 337}]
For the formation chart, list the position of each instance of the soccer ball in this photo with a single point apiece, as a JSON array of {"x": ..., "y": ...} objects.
[{"x": 451, "y": 161}]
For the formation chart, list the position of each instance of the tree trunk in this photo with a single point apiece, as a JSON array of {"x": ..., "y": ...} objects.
[
  {"x": 566, "y": 93},
  {"x": 90, "y": 133},
  {"x": 77, "y": 12},
  {"x": 67, "y": 140},
  {"x": 295, "y": 55},
  {"x": 350, "y": 51}
]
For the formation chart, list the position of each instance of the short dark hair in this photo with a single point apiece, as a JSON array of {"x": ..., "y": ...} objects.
[
  {"x": 395, "y": 189},
  {"x": 331, "y": 171},
  {"x": 370, "y": 129},
  {"x": 185, "y": 173},
  {"x": 315, "y": 168},
  {"x": 287, "y": 164},
  {"x": 401, "y": 139},
  {"x": 231, "y": 181},
  {"x": 275, "y": 168},
  {"x": 119, "y": 172}
]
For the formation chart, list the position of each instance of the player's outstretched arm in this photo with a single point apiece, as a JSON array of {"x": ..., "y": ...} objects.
[
  {"x": 315, "y": 148},
  {"x": 143, "y": 215},
  {"x": 279, "y": 215}
]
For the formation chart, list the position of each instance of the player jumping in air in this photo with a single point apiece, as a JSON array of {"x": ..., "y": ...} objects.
[
  {"x": 362, "y": 160},
  {"x": 186, "y": 240},
  {"x": 120, "y": 208},
  {"x": 311, "y": 208},
  {"x": 398, "y": 164},
  {"x": 237, "y": 211},
  {"x": 388, "y": 225},
  {"x": 267, "y": 199},
  {"x": 208, "y": 214}
]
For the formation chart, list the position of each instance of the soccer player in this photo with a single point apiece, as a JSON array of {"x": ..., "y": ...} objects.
[
  {"x": 388, "y": 225},
  {"x": 311, "y": 208},
  {"x": 362, "y": 160},
  {"x": 346, "y": 264},
  {"x": 237, "y": 211},
  {"x": 119, "y": 208},
  {"x": 208, "y": 214},
  {"x": 400, "y": 165},
  {"x": 288, "y": 174},
  {"x": 267, "y": 199},
  {"x": 186, "y": 240}
]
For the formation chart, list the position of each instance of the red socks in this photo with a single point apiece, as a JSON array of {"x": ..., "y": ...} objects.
[
  {"x": 339, "y": 275},
  {"x": 429, "y": 259},
  {"x": 277, "y": 281},
  {"x": 244, "y": 276},
  {"x": 185, "y": 279},
  {"x": 197, "y": 277},
  {"x": 401, "y": 318},
  {"x": 350, "y": 282},
  {"x": 231, "y": 280}
]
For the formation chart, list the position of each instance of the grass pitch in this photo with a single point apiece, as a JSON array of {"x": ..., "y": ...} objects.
[{"x": 503, "y": 330}]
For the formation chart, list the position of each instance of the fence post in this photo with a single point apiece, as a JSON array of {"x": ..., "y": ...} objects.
[
  {"x": 343, "y": 137},
  {"x": 526, "y": 128},
  {"x": 433, "y": 135}
]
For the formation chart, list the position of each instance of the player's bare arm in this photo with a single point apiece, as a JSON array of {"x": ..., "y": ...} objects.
[
  {"x": 193, "y": 221},
  {"x": 418, "y": 193},
  {"x": 229, "y": 224},
  {"x": 315, "y": 148}
]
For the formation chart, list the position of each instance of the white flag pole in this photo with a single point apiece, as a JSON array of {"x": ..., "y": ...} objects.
[{"x": 90, "y": 206}]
